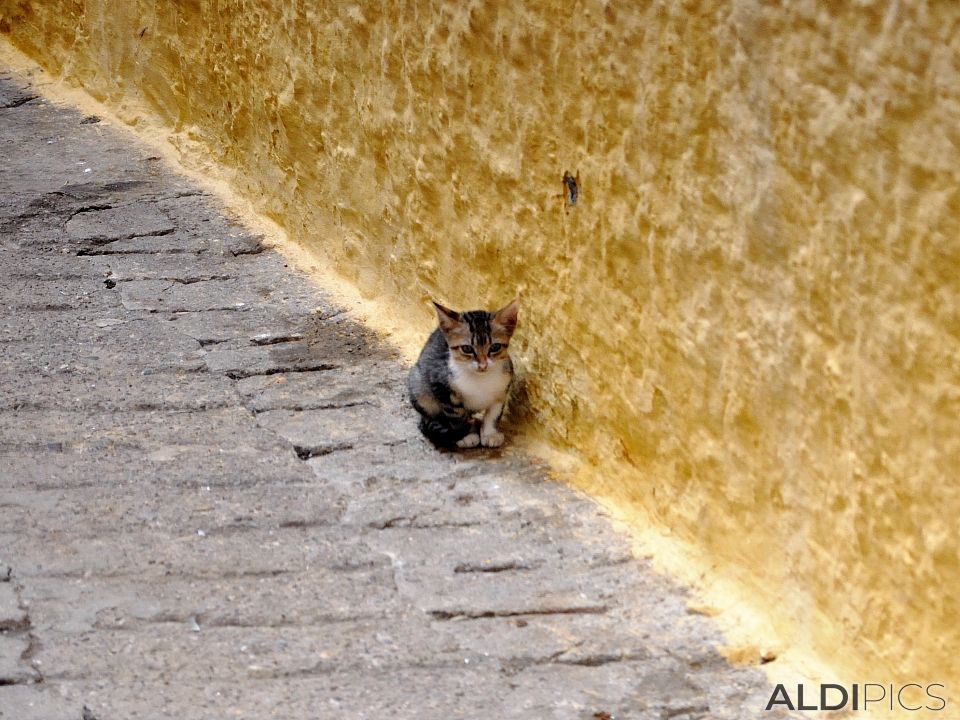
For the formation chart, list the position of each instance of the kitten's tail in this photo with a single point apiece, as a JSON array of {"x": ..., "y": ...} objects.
[{"x": 443, "y": 433}]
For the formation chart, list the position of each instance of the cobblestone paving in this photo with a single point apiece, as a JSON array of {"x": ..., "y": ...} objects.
[{"x": 214, "y": 502}]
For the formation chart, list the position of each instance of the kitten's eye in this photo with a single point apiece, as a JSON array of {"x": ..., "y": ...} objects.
[
  {"x": 467, "y": 349},
  {"x": 495, "y": 348}
]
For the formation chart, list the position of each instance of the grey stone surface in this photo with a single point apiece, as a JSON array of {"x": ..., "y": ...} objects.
[
  {"x": 82, "y": 386},
  {"x": 12, "y": 616},
  {"x": 214, "y": 501},
  {"x": 16, "y": 640},
  {"x": 333, "y": 388},
  {"x": 13, "y": 670},
  {"x": 185, "y": 465},
  {"x": 28, "y": 702},
  {"x": 108, "y": 336},
  {"x": 176, "y": 244},
  {"x": 100, "y": 225}
]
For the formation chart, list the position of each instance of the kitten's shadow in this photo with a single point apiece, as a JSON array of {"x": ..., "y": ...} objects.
[{"x": 519, "y": 411}]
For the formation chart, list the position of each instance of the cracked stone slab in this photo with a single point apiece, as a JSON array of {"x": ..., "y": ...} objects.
[
  {"x": 54, "y": 327},
  {"x": 175, "y": 267},
  {"x": 352, "y": 385},
  {"x": 13, "y": 669},
  {"x": 219, "y": 261},
  {"x": 76, "y": 605},
  {"x": 192, "y": 214},
  {"x": 12, "y": 616},
  {"x": 209, "y": 550},
  {"x": 357, "y": 645},
  {"x": 522, "y": 642},
  {"x": 251, "y": 360},
  {"x": 99, "y": 225},
  {"x": 242, "y": 325},
  {"x": 149, "y": 430},
  {"x": 406, "y": 462},
  {"x": 174, "y": 243},
  {"x": 115, "y": 191},
  {"x": 182, "y": 463},
  {"x": 169, "y": 296},
  {"x": 20, "y": 233},
  {"x": 64, "y": 266},
  {"x": 475, "y": 571},
  {"x": 238, "y": 284},
  {"x": 180, "y": 511},
  {"x": 137, "y": 182},
  {"x": 25, "y": 295},
  {"x": 378, "y": 504},
  {"x": 81, "y": 386},
  {"x": 231, "y": 293},
  {"x": 13, "y": 95},
  {"x": 315, "y": 345},
  {"x": 99, "y": 339},
  {"x": 317, "y": 432}
]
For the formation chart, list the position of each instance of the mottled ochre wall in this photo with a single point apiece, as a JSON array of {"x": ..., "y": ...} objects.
[{"x": 750, "y": 324}]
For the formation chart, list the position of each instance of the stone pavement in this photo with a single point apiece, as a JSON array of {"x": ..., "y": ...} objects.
[{"x": 214, "y": 502}]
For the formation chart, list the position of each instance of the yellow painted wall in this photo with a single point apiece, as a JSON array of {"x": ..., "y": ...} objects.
[{"x": 749, "y": 327}]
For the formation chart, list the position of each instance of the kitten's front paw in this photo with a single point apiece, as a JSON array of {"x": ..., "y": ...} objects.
[
  {"x": 471, "y": 440},
  {"x": 493, "y": 439}
]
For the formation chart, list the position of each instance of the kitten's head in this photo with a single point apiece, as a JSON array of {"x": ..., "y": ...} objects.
[{"x": 478, "y": 339}]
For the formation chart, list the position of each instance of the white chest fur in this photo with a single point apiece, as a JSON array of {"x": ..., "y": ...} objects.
[{"x": 480, "y": 391}]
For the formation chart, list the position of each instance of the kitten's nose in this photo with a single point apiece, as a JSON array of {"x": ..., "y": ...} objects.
[{"x": 481, "y": 365}]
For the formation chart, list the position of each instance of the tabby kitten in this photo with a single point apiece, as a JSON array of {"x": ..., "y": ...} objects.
[{"x": 461, "y": 380}]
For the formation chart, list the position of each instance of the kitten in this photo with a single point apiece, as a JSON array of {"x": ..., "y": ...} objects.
[{"x": 463, "y": 372}]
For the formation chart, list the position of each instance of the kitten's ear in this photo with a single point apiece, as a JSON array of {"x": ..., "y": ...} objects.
[
  {"x": 506, "y": 317},
  {"x": 448, "y": 319}
]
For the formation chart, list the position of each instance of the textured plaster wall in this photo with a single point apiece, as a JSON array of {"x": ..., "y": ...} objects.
[{"x": 749, "y": 326}]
